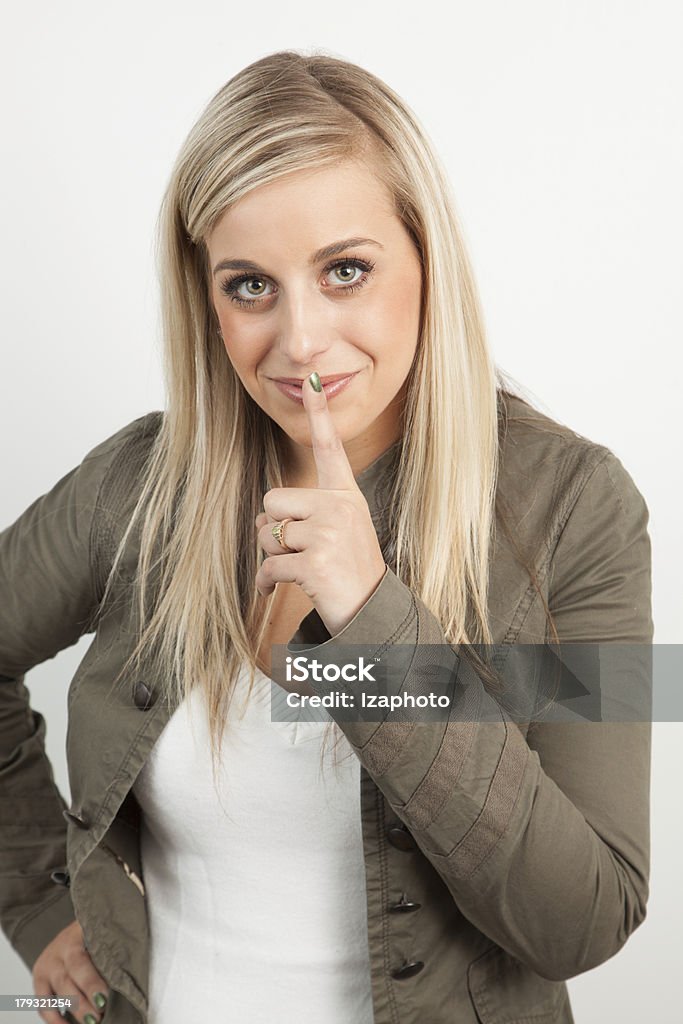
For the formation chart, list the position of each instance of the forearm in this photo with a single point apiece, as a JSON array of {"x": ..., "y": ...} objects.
[
  {"x": 32, "y": 907},
  {"x": 518, "y": 855}
]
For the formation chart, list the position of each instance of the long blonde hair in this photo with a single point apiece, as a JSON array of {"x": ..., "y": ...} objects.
[{"x": 217, "y": 452}]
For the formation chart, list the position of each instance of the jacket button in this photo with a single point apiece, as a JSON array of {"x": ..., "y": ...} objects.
[
  {"x": 76, "y": 819},
  {"x": 404, "y": 906},
  {"x": 408, "y": 970},
  {"x": 61, "y": 878},
  {"x": 400, "y": 837},
  {"x": 143, "y": 696}
]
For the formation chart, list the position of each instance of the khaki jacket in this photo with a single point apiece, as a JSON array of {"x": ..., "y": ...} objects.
[{"x": 501, "y": 858}]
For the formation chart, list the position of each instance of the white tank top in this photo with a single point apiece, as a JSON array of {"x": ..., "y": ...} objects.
[{"x": 256, "y": 895}]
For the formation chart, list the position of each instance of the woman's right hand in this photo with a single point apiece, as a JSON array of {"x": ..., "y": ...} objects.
[{"x": 65, "y": 968}]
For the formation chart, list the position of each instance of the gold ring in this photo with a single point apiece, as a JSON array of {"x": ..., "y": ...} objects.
[{"x": 278, "y": 532}]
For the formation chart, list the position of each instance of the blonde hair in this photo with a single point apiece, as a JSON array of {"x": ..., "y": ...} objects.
[{"x": 217, "y": 452}]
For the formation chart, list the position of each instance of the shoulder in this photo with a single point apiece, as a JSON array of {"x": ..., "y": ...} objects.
[
  {"x": 533, "y": 442},
  {"x": 110, "y": 475},
  {"x": 52, "y": 557},
  {"x": 116, "y": 466},
  {"x": 114, "y": 474},
  {"x": 547, "y": 471},
  {"x": 133, "y": 439},
  {"x": 110, "y": 470},
  {"x": 71, "y": 504}
]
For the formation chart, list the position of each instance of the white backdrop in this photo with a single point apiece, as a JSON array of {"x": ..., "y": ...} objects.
[{"x": 559, "y": 125}]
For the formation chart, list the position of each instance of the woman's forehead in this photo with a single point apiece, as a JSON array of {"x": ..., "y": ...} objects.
[{"x": 311, "y": 208}]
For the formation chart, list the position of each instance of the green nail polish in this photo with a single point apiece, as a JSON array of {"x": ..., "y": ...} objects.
[
  {"x": 315, "y": 382},
  {"x": 89, "y": 1019},
  {"x": 100, "y": 1000}
]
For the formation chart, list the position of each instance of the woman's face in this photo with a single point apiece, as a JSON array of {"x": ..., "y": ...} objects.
[{"x": 287, "y": 308}]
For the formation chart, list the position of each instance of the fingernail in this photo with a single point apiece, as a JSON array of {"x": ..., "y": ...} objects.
[
  {"x": 89, "y": 1019},
  {"x": 100, "y": 1000},
  {"x": 315, "y": 382}
]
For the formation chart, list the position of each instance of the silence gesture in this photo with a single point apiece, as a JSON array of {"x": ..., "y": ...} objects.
[{"x": 331, "y": 548}]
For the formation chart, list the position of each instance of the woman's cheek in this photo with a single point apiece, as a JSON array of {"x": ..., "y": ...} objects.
[
  {"x": 245, "y": 347},
  {"x": 391, "y": 328}
]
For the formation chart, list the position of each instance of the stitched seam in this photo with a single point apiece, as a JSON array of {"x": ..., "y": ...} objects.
[
  {"x": 92, "y": 542},
  {"x": 435, "y": 769},
  {"x": 615, "y": 489},
  {"x": 559, "y": 525},
  {"x": 413, "y": 723},
  {"x": 407, "y": 621},
  {"x": 101, "y": 539},
  {"x": 401, "y": 628},
  {"x": 424, "y": 785},
  {"x": 562, "y": 518},
  {"x": 412, "y": 613},
  {"x": 510, "y": 816},
  {"x": 453, "y": 855},
  {"x": 476, "y": 821},
  {"x": 132, "y": 750},
  {"x": 571, "y": 502}
]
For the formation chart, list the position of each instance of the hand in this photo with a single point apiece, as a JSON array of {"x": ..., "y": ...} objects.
[
  {"x": 337, "y": 560},
  {"x": 64, "y": 968}
]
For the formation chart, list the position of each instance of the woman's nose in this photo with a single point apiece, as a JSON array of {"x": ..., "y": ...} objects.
[{"x": 304, "y": 331}]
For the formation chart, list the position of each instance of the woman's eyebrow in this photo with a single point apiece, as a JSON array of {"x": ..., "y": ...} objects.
[{"x": 317, "y": 257}]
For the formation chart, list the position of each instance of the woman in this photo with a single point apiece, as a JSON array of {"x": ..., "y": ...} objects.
[{"x": 456, "y": 869}]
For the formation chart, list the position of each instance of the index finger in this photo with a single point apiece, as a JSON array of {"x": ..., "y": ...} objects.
[{"x": 332, "y": 463}]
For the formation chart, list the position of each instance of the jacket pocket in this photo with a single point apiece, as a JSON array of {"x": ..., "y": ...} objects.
[{"x": 503, "y": 990}]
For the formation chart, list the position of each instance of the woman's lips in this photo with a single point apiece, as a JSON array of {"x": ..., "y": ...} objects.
[{"x": 334, "y": 388}]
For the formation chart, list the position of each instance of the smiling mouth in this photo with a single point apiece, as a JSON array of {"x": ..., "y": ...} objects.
[
  {"x": 298, "y": 381},
  {"x": 332, "y": 385}
]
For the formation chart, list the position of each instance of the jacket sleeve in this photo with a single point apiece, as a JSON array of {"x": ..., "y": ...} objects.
[
  {"x": 50, "y": 587},
  {"x": 542, "y": 841}
]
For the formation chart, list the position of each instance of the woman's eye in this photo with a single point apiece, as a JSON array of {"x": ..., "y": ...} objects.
[
  {"x": 255, "y": 288},
  {"x": 345, "y": 272}
]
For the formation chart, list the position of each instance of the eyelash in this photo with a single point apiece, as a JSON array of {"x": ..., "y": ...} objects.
[{"x": 229, "y": 287}]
